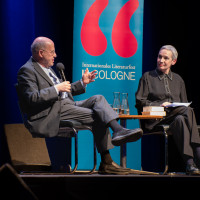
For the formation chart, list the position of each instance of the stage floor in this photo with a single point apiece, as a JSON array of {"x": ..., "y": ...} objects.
[{"x": 80, "y": 186}]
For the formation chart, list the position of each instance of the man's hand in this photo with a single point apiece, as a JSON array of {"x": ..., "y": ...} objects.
[
  {"x": 88, "y": 77},
  {"x": 64, "y": 86}
]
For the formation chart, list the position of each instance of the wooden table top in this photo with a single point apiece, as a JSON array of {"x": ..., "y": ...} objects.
[{"x": 140, "y": 117}]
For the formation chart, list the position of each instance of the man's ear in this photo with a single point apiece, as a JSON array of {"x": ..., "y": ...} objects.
[{"x": 40, "y": 53}]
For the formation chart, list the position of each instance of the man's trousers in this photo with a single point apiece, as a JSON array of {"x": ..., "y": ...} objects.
[{"x": 95, "y": 112}]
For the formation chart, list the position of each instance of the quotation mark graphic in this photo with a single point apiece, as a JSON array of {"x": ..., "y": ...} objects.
[
  {"x": 123, "y": 40},
  {"x": 94, "y": 41}
]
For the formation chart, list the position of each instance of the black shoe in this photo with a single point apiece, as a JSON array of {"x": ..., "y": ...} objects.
[
  {"x": 126, "y": 135},
  {"x": 192, "y": 170},
  {"x": 112, "y": 168}
]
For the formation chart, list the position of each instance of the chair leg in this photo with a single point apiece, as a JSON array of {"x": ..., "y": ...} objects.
[
  {"x": 166, "y": 152},
  {"x": 95, "y": 158},
  {"x": 76, "y": 153}
]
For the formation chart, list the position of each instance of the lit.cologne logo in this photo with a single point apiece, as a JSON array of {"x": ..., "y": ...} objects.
[{"x": 94, "y": 41}]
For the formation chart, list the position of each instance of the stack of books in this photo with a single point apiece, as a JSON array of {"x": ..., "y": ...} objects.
[{"x": 154, "y": 110}]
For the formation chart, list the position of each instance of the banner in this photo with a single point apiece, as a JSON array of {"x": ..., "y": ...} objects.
[{"x": 108, "y": 36}]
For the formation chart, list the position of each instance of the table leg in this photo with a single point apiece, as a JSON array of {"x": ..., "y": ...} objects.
[{"x": 123, "y": 147}]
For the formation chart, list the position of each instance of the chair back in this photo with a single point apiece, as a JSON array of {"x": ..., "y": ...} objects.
[{"x": 21, "y": 104}]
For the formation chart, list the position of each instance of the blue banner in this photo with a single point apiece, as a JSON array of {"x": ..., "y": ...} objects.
[{"x": 108, "y": 36}]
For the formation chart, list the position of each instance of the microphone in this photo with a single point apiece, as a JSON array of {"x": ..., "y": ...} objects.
[{"x": 60, "y": 67}]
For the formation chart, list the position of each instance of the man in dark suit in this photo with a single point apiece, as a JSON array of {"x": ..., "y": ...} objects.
[{"x": 47, "y": 100}]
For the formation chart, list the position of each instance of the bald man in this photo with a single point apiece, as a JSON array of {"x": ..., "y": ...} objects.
[{"x": 48, "y": 100}]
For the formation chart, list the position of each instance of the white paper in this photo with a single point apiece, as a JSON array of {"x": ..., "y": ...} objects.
[{"x": 176, "y": 104}]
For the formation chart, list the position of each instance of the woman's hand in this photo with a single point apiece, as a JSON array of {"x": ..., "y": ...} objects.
[{"x": 165, "y": 104}]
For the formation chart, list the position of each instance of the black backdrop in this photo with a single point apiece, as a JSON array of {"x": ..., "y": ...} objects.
[{"x": 172, "y": 22}]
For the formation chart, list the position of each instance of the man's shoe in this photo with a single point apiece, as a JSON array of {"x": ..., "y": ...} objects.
[
  {"x": 126, "y": 135},
  {"x": 112, "y": 168},
  {"x": 192, "y": 170}
]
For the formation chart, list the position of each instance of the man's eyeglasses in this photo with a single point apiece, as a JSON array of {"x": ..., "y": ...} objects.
[{"x": 51, "y": 52}]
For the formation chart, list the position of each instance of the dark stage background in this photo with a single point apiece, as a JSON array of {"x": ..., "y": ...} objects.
[{"x": 165, "y": 22}]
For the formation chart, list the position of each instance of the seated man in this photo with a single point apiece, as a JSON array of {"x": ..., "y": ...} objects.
[
  {"x": 161, "y": 87},
  {"x": 48, "y": 100}
]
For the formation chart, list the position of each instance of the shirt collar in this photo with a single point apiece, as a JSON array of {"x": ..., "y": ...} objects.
[
  {"x": 161, "y": 75},
  {"x": 45, "y": 69}
]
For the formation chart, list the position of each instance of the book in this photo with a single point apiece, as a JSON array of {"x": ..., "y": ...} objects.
[
  {"x": 158, "y": 113},
  {"x": 153, "y": 108}
]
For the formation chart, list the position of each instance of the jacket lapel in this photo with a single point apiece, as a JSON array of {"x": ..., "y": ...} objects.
[
  {"x": 41, "y": 72},
  {"x": 44, "y": 75}
]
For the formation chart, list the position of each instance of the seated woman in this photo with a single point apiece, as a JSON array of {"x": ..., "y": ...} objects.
[{"x": 161, "y": 87}]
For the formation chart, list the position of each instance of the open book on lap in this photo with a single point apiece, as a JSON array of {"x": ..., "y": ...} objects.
[{"x": 176, "y": 104}]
